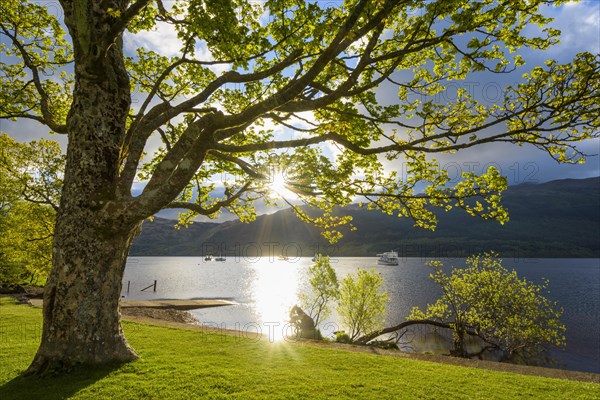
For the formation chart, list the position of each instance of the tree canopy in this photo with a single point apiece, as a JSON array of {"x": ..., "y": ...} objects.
[{"x": 245, "y": 72}]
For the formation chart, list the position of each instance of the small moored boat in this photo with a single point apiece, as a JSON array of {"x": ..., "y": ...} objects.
[{"x": 388, "y": 258}]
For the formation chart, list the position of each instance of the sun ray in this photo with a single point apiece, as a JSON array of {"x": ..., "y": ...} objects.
[{"x": 278, "y": 185}]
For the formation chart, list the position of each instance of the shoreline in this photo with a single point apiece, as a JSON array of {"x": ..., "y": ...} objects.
[
  {"x": 161, "y": 315},
  {"x": 164, "y": 314},
  {"x": 171, "y": 320},
  {"x": 164, "y": 310}
]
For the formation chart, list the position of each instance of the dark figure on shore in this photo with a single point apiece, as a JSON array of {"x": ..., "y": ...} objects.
[{"x": 304, "y": 324}]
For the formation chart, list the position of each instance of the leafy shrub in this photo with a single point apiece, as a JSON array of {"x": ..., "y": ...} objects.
[
  {"x": 485, "y": 299},
  {"x": 362, "y": 304}
]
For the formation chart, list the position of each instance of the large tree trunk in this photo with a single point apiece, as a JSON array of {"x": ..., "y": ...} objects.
[
  {"x": 93, "y": 233},
  {"x": 81, "y": 299}
]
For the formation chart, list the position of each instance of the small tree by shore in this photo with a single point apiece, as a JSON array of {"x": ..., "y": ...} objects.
[
  {"x": 509, "y": 314},
  {"x": 324, "y": 288},
  {"x": 362, "y": 303}
]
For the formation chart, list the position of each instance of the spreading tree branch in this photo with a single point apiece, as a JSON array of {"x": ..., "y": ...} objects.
[
  {"x": 374, "y": 335},
  {"x": 47, "y": 118},
  {"x": 123, "y": 21},
  {"x": 213, "y": 208}
]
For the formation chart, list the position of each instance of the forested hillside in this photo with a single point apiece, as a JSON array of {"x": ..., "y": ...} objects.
[{"x": 554, "y": 219}]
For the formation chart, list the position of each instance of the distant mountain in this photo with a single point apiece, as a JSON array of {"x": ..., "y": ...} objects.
[{"x": 554, "y": 219}]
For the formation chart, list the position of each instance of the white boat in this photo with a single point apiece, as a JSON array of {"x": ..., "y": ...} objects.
[{"x": 388, "y": 258}]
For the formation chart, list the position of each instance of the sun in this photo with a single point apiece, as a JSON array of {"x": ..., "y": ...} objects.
[{"x": 280, "y": 186}]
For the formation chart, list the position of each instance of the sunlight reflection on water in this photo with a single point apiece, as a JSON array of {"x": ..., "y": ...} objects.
[{"x": 274, "y": 292}]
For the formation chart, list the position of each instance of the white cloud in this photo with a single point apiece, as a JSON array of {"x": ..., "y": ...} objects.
[
  {"x": 161, "y": 39},
  {"x": 580, "y": 27}
]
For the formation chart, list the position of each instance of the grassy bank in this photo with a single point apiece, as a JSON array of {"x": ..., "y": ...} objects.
[{"x": 183, "y": 364}]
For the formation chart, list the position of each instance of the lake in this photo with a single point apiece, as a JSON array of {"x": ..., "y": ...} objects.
[{"x": 264, "y": 289}]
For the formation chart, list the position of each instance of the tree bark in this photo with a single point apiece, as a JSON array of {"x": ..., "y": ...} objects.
[
  {"x": 459, "y": 342},
  {"x": 81, "y": 300},
  {"x": 93, "y": 232},
  {"x": 374, "y": 335}
]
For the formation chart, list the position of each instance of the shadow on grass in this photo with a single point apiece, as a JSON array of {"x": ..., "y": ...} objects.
[{"x": 59, "y": 386}]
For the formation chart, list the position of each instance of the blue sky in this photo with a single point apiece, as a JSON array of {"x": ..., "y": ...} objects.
[{"x": 580, "y": 26}]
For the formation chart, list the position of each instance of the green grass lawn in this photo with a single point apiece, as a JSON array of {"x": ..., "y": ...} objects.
[{"x": 185, "y": 364}]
